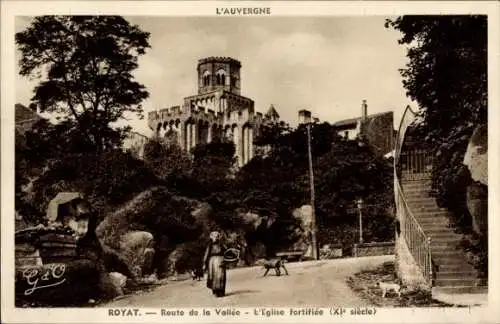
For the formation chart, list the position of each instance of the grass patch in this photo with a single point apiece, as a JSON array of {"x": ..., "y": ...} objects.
[{"x": 364, "y": 283}]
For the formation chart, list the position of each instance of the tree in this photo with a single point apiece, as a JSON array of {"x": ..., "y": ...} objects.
[
  {"x": 447, "y": 75},
  {"x": 213, "y": 168},
  {"x": 89, "y": 62},
  {"x": 168, "y": 161},
  {"x": 344, "y": 171}
]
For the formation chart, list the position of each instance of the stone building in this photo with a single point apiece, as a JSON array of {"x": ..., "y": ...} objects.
[
  {"x": 25, "y": 118},
  {"x": 135, "y": 143},
  {"x": 218, "y": 110},
  {"x": 377, "y": 129}
]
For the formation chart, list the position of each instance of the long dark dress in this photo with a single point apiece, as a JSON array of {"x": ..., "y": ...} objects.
[{"x": 214, "y": 261}]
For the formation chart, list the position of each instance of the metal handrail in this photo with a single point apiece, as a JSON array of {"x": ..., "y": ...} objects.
[{"x": 418, "y": 242}]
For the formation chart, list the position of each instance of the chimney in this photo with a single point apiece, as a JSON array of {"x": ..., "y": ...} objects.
[
  {"x": 304, "y": 116},
  {"x": 364, "y": 110}
]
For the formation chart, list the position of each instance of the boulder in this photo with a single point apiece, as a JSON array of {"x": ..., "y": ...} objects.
[
  {"x": 304, "y": 214},
  {"x": 476, "y": 156},
  {"x": 477, "y": 203},
  {"x": 147, "y": 223},
  {"x": 111, "y": 284},
  {"x": 138, "y": 249},
  {"x": 476, "y": 160}
]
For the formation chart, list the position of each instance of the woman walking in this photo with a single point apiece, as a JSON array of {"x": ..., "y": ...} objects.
[{"x": 214, "y": 263}]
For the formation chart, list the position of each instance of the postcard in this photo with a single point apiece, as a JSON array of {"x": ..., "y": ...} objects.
[{"x": 207, "y": 162}]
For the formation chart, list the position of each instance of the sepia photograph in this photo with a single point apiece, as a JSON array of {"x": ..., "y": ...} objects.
[{"x": 285, "y": 164}]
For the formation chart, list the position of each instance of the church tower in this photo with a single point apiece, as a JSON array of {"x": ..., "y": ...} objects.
[{"x": 219, "y": 73}]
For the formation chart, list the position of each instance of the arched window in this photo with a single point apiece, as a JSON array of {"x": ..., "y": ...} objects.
[
  {"x": 221, "y": 77},
  {"x": 206, "y": 78}
]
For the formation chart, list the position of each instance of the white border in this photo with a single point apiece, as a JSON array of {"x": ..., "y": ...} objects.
[{"x": 10, "y": 9}]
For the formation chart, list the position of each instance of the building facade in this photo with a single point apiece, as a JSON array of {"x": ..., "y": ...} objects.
[
  {"x": 25, "y": 118},
  {"x": 218, "y": 110},
  {"x": 135, "y": 144},
  {"x": 377, "y": 129}
]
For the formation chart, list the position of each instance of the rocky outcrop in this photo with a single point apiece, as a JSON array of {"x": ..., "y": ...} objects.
[
  {"x": 111, "y": 284},
  {"x": 138, "y": 249},
  {"x": 476, "y": 159},
  {"x": 476, "y": 156},
  {"x": 148, "y": 228}
]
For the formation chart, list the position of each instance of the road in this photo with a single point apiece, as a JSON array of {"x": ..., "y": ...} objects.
[{"x": 313, "y": 283}]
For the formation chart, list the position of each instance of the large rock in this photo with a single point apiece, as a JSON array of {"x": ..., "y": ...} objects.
[
  {"x": 138, "y": 249},
  {"x": 111, "y": 284},
  {"x": 476, "y": 156},
  {"x": 304, "y": 214},
  {"x": 476, "y": 159},
  {"x": 147, "y": 222},
  {"x": 477, "y": 203}
]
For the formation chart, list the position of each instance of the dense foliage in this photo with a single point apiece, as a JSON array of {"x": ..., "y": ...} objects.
[
  {"x": 89, "y": 81},
  {"x": 344, "y": 171},
  {"x": 85, "y": 66},
  {"x": 447, "y": 75}
]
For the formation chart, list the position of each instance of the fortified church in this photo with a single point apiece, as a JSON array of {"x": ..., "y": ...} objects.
[{"x": 217, "y": 110}]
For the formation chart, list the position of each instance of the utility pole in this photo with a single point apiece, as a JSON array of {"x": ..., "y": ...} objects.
[
  {"x": 314, "y": 242},
  {"x": 306, "y": 118}
]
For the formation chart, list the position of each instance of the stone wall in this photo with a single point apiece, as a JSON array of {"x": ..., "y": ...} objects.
[
  {"x": 330, "y": 251},
  {"x": 372, "y": 249},
  {"x": 379, "y": 130},
  {"x": 407, "y": 269}
]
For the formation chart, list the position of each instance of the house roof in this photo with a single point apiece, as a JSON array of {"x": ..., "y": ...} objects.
[
  {"x": 354, "y": 121},
  {"x": 24, "y": 114}
]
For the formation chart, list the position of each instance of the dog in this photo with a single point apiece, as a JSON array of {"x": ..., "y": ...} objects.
[
  {"x": 387, "y": 287},
  {"x": 275, "y": 264},
  {"x": 197, "y": 274}
]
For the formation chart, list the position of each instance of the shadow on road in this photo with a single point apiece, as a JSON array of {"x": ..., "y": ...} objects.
[{"x": 240, "y": 292}]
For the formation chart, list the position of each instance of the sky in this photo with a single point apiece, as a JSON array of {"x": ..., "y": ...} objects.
[{"x": 324, "y": 64}]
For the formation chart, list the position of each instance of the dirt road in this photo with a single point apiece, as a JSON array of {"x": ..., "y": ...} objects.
[{"x": 314, "y": 283}]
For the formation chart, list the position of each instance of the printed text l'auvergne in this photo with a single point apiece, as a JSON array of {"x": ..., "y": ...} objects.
[{"x": 256, "y": 11}]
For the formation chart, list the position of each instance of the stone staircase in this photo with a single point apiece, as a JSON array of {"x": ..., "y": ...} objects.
[{"x": 453, "y": 274}]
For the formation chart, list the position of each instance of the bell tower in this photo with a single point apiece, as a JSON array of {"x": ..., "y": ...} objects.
[{"x": 219, "y": 73}]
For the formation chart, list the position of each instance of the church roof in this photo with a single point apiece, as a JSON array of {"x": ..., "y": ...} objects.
[{"x": 271, "y": 112}]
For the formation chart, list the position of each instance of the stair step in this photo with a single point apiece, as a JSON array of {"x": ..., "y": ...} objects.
[
  {"x": 445, "y": 247},
  {"x": 460, "y": 290},
  {"x": 416, "y": 188},
  {"x": 443, "y": 232},
  {"x": 436, "y": 227},
  {"x": 435, "y": 231},
  {"x": 432, "y": 218},
  {"x": 453, "y": 268},
  {"x": 467, "y": 273},
  {"x": 436, "y": 211},
  {"x": 448, "y": 254},
  {"x": 457, "y": 282},
  {"x": 430, "y": 215},
  {"x": 423, "y": 191},
  {"x": 434, "y": 222},
  {"x": 417, "y": 193},
  {"x": 422, "y": 202}
]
